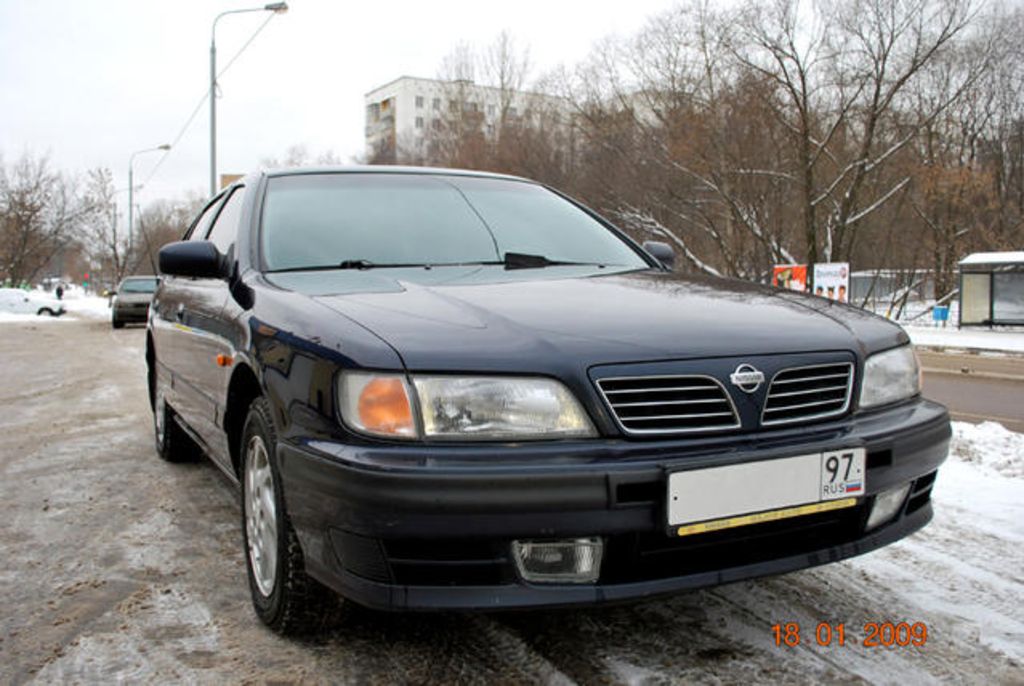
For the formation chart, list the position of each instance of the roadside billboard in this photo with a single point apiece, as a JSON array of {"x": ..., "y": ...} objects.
[
  {"x": 832, "y": 280},
  {"x": 791, "y": 276}
]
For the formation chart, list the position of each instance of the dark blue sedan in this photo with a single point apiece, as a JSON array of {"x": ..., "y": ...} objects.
[{"x": 441, "y": 389}]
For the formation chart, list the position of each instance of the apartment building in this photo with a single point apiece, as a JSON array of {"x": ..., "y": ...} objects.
[{"x": 400, "y": 113}]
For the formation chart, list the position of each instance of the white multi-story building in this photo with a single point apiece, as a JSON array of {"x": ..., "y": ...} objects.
[{"x": 400, "y": 113}]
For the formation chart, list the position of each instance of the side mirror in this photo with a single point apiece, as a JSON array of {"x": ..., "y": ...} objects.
[
  {"x": 192, "y": 258},
  {"x": 662, "y": 252}
]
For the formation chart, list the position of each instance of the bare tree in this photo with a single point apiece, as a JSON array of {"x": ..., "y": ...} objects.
[
  {"x": 952, "y": 194},
  {"x": 668, "y": 105},
  {"x": 505, "y": 67},
  {"x": 839, "y": 87},
  {"x": 108, "y": 248},
  {"x": 1001, "y": 150},
  {"x": 40, "y": 213},
  {"x": 161, "y": 223}
]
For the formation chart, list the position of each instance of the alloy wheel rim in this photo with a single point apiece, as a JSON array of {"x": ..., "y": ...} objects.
[{"x": 260, "y": 515}]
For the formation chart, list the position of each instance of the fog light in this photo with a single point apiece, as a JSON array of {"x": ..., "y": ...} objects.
[
  {"x": 887, "y": 505},
  {"x": 572, "y": 560}
]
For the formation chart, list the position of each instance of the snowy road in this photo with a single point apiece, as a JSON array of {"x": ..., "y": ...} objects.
[{"x": 120, "y": 567}]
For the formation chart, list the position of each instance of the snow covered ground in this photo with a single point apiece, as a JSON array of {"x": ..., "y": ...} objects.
[
  {"x": 87, "y": 306},
  {"x": 12, "y": 317},
  {"x": 966, "y": 567},
  {"x": 1004, "y": 340}
]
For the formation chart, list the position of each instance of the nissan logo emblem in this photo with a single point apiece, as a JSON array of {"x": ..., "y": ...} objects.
[{"x": 747, "y": 378}]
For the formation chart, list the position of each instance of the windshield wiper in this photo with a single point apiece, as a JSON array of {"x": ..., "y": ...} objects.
[
  {"x": 367, "y": 264},
  {"x": 350, "y": 264},
  {"x": 512, "y": 260},
  {"x": 522, "y": 260}
]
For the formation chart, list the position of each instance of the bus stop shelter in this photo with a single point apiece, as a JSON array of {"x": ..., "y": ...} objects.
[{"x": 992, "y": 289}]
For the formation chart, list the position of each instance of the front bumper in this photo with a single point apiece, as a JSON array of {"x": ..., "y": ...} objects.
[{"x": 429, "y": 527}]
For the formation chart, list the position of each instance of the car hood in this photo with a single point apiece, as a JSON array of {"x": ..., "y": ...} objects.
[{"x": 492, "y": 319}]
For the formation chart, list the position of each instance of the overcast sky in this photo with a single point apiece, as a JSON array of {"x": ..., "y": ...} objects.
[{"x": 88, "y": 82}]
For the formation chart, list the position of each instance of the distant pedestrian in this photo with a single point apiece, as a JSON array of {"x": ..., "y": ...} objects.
[{"x": 60, "y": 292}]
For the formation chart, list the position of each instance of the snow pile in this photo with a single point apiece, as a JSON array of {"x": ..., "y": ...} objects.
[
  {"x": 88, "y": 306},
  {"x": 989, "y": 445}
]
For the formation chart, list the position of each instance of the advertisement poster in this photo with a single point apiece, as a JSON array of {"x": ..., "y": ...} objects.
[
  {"x": 791, "y": 276},
  {"x": 832, "y": 280}
]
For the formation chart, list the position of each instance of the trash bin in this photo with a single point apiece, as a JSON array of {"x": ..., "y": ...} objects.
[{"x": 940, "y": 315}]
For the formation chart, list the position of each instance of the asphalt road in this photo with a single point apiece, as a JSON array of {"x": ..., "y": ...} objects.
[
  {"x": 118, "y": 567},
  {"x": 977, "y": 388}
]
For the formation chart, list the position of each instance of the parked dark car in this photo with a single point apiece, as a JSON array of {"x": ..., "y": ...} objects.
[
  {"x": 130, "y": 302},
  {"x": 444, "y": 389}
]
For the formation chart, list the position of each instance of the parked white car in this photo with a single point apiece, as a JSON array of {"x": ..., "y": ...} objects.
[{"x": 29, "y": 302}]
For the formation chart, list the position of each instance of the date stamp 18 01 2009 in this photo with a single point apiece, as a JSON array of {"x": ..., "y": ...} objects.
[{"x": 874, "y": 635}]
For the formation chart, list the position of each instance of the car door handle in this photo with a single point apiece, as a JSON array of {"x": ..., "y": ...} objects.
[{"x": 179, "y": 314}]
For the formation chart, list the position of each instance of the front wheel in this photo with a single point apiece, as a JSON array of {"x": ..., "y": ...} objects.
[
  {"x": 172, "y": 443},
  {"x": 285, "y": 598}
]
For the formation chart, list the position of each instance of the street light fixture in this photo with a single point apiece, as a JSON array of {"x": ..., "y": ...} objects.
[
  {"x": 131, "y": 188},
  {"x": 275, "y": 7}
]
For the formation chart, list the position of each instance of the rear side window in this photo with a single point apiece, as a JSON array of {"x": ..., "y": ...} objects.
[{"x": 225, "y": 228}]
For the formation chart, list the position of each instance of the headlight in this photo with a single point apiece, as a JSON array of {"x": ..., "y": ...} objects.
[
  {"x": 889, "y": 377},
  {"x": 461, "y": 408},
  {"x": 496, "y": 407}
]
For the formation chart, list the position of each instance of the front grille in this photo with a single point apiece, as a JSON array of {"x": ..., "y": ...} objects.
[
  {"x": 669, "y": 404},
  {"x": 804, "y": 393}
]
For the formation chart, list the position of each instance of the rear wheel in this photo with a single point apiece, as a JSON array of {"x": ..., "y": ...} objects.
[{"x": 284, "y": 597}]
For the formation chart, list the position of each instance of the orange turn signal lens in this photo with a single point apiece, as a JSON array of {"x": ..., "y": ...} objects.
[{"x": 384, "y": 408}]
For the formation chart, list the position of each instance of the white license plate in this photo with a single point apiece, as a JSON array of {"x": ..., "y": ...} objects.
[{"x": 715, "y": 498}]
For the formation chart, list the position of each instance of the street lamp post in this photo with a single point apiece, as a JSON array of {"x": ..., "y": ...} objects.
[
  {"x": 131, "y": 188},
  {"x": 276, "y": 7}
]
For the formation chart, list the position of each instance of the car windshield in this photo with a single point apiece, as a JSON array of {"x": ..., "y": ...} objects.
[
  {"x": 139, "y": 286},
  {"x": 376, "y": 220}
]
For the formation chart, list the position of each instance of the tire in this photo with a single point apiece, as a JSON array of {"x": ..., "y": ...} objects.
[
  {"x": 172, "y": 443},
  {"x": 284, "y": 597},
  {"x": 117, "y": 323}
]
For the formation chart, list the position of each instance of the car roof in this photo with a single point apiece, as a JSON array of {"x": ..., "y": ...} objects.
[{"x": 390, "y": 169}]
